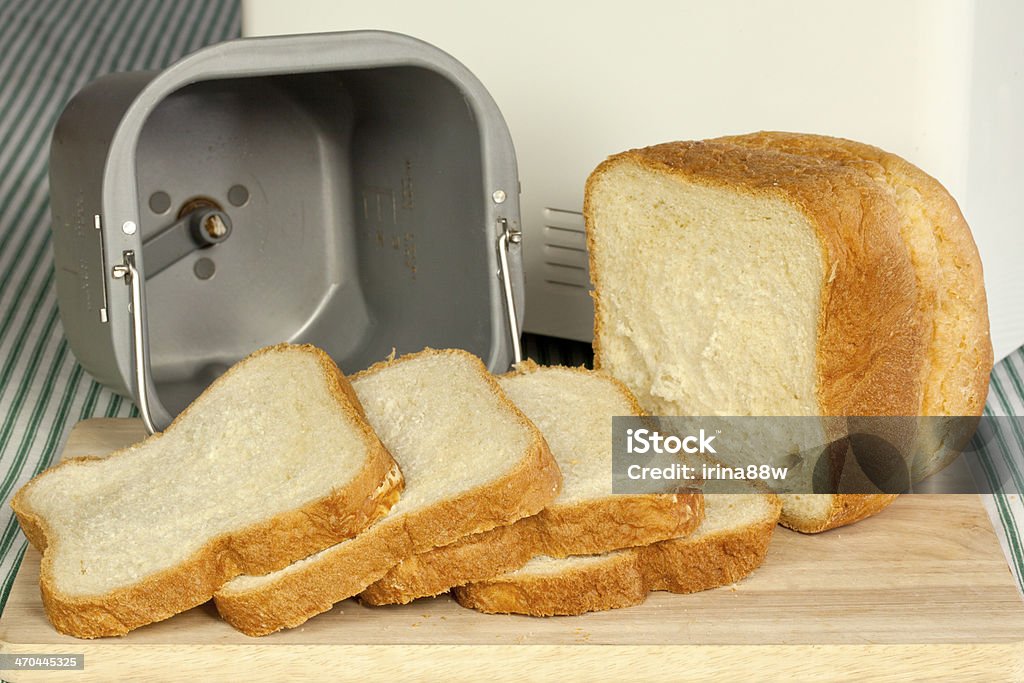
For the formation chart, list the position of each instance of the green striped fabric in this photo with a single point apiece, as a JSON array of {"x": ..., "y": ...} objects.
[
  {"x": 1006, "y": 397},
  {"x": 48, "y": 50}
]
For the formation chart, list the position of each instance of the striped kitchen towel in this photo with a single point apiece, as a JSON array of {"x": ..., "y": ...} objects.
[
  {"x": 1006, "y": 397},
  {"x": 48, "y": 50}
]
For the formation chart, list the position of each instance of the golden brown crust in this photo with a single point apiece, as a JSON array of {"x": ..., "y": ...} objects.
[
  {"x": 589, "y": 528},
  {"x": 967, "y": 361},
  {"x": 315, "y": 586},
  {"x": 617, "y": 582},
  {"x": 470, "y": 558},
  {"x": 586, "y": 528},
  {"x": 847, "y": 508},
  {"x": 951, "y": 292},
  {"x": 685, "y": 565},
  {"x": 257, "y": 549}
]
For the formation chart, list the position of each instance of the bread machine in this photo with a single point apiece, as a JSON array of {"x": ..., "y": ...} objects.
[{"x": 355, "y": 190}]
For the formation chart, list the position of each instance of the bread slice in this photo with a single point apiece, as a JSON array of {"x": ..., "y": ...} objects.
[
  {"x": 272, "y": 462},
  {"x": 730, "y": 543},
  {"x": 471, "y": 459},
  {"x": 732, "y": 280},
  {"x": 573, "y": 408}
]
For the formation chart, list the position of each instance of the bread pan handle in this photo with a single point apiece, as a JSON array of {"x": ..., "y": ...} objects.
[
  {"x": 130, "y": 274},
  {"x": 507, "y": 236}
]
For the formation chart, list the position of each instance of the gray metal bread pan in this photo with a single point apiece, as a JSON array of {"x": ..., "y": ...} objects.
[{"x": 367, "y": 183}]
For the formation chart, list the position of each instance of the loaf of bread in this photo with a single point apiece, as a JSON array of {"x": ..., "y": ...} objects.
[
  {"x": 472, "y": 461},
  {"x": 273, "y": 462},
  {"x": 730, "y": 543},
  {"x": 573, "y": 408},
  {"x": 785, "y": 275}
]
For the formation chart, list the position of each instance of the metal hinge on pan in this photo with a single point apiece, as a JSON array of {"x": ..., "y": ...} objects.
[
  {"x": 127, "y": 271},
  {"x": 507, "y": 236}
]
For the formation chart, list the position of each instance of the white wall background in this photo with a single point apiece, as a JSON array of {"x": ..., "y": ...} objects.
[
  {"x": 994, "y": 199},
  {"x": 940, "y": 82}
]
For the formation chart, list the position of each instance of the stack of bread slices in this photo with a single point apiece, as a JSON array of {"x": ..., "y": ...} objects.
[
  {"x": 276, "y": 494},
  {"x": 772, "y": 274}
]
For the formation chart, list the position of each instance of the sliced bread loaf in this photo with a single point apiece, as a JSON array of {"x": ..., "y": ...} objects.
[
  {"x": 730, "y": 543},
  {"x": 733, "y": 280},
  {"x": 471, "y": 460},
  {"x": 573, "y": 408},
  {"x": 273, "y": 462}
]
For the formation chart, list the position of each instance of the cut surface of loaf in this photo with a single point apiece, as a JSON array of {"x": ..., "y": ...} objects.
[
  {"x": 471, "y": 461},
  {"x": 736, "y": 280},
  {"x": 730, "y": 543},
  {"x": 573, "y": 408},
  {"x": 273, "y": 461}
]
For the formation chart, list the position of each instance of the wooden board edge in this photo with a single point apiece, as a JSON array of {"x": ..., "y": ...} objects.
[{"x": 104, "y": 662}]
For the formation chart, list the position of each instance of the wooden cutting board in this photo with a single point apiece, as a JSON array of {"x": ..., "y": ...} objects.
[{"x": 920, "y": 591}]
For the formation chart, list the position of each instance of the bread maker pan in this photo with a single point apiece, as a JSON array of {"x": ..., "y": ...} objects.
[{"x": 355, "y": 190}]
